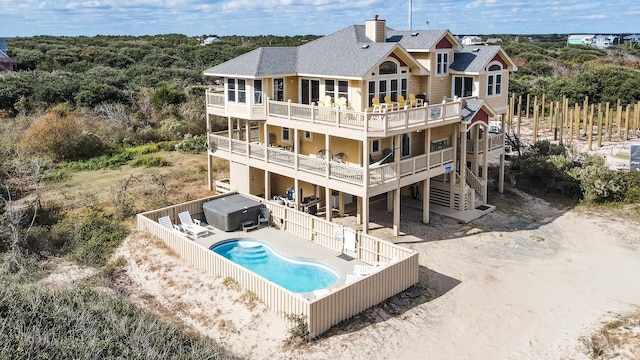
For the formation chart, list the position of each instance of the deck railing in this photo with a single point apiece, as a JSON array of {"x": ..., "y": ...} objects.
[
  {"x": 215, "y": 99},
  {"x": 368, "y": 121},
  {"x": 496, "y": 141},
  {"x": 321, "y": 313},
  {"x": 378, "y": 175}
]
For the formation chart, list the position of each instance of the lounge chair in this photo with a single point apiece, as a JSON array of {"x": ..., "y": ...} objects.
[
  {"x": 191, "y": 226},
  {"x": 165, "y": 221},
  {"x": 263, "y": 216},
  {"x": 321, "y": 293},
  {"x": 351, "y": 278},
  {"x": 363, "y": 270}
]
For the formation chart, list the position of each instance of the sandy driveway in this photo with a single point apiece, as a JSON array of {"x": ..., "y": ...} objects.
[{"x": 527, "y": 284}]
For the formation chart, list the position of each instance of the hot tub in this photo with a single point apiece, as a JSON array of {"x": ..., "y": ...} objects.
[{"x": 229, "y": 212}]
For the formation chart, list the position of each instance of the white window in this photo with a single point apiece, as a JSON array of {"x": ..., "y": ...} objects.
[
  {"x": 442, "y": 63},
  {"x": 286, "y": 135},
  {"x": 494, "y": 80},
  {"x": 278, "y": 89},
  {"x": 237, "y": 90},
  {"x": 308, "y": 135},
  {"x": 341, "y": 90},
  {"x": 257, "y": 92},
  {"x": 463, "y": 86},
  {"x": 231, "y": 90},
  {"x": 375, "y": 146}
]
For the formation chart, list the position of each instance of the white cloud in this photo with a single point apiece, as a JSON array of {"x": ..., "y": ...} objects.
[{"x": 289, "y": 17}]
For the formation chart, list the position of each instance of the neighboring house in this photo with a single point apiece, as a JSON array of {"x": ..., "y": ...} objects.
[
  {"x": 604, "y": 41},
  {"x": 6, "y": 63},
  {"x": 588, "y": 40},
  {"x": 471, "y": 40},
  {"x": 210, "y": 40},
  {"x": 493, "y": 41},
  {"x": 305, "y": 125},
  {"x": 632, "y": 39}
]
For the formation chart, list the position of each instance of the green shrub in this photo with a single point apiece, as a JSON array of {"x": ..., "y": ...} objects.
[
  {"x": 192, "y": 144},
  {"x": 599, "y": 184},
  {"x": 89, "y": 238},
  {"x": 150, "y": 161}
]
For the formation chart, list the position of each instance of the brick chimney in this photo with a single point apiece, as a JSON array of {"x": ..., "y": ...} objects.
[{"x": 376, "y": 30}]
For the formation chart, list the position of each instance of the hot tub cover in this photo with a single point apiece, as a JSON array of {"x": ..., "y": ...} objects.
[{"x": 229, "y": 212}]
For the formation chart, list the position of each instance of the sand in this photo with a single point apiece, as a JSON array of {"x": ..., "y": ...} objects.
[{"x": 525, "y": 282}]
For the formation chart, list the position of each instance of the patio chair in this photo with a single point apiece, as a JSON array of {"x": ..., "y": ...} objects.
[
  {"x": 263, "y": 216},
  {"x": 192, "y": 226},
  {"x": 351, "y": 278},
  {"x": 415, "y": 101},
  {"x": 402, "y": 103},
  {"x": 342, "y": 103},
  {"x": 165, "y": 221},
  {"x": 377, "y": 107},
  {"x": 326, "y": 101},
  {"x": 390, "y": 104}
]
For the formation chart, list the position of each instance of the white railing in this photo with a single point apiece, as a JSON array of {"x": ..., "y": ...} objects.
[
  {"x": 378, "y": 175},
  {"x": 496, "y": 141},
  {"x": 474, "y": 182},
  {"x": 346, "y": 173},
  {"x": 379, "y": 122},
  {"x": 215, "y": 99}
]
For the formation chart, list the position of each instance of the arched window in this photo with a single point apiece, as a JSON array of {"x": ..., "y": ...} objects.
[
  {"x": 388, "y": 67},
  {"x": 494, "y": 80}
]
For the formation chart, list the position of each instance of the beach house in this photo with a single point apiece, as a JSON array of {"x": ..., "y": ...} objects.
[{"x": 365, "y": 113}]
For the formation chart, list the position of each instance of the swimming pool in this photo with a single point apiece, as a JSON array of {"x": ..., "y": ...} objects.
[{"x": 297, "y": 275}]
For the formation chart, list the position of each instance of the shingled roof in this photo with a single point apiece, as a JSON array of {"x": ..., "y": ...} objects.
[
  {"x": 346, "y": 53},
  {"x": 473, "y": 59}
]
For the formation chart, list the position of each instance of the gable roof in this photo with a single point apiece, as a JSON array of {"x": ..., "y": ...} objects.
[
  {"x": 473, "y": 59},
  {"x": 346, "y": 53},
  {"x": 471, "y": 107}
]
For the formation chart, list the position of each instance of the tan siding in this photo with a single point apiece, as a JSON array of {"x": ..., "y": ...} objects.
[
  {"x": 440, "y": 89},
  {"x": 291, "y": 89}
]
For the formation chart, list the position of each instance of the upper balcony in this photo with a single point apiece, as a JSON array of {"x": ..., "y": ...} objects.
[{"x": 355, "y": 124}]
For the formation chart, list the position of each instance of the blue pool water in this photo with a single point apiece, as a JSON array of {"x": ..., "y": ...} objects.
[{"x": 296, "y": 275}]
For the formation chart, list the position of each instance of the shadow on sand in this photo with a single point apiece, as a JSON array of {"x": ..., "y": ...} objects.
[{"x": 431, "y": 285}]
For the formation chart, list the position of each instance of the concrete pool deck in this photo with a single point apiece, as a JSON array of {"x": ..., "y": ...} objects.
[{"x": 289, "y": 245}]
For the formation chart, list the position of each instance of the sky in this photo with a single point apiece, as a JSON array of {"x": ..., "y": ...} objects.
[{"x": 316, "y": 17}]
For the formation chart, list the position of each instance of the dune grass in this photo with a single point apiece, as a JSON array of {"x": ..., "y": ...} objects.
[{"x": 89, "y": 323}]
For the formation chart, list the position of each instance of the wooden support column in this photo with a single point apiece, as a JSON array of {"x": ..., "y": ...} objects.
[
  {"x": 267, "y": 185},
  {"x": 389, "y": 201},
  {"x": 485, "y": 165},
  {"x": 426, "y": 192},
  {"x": 358, "y": 210},
  {"x": 365, "y": 214},
  {"x": 341, "y": 203},
  {"x": 329, "y": 207},
  {"x": 452, "y": 174},
  {"x": 396, "y": 212}
]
